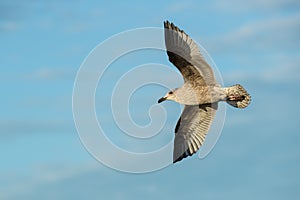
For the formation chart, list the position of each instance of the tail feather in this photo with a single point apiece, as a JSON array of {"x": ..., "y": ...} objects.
[{"x": 237, "y": 96}]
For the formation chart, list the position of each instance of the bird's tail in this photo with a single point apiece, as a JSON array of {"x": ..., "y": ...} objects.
[{"x": 237, "y": 96}]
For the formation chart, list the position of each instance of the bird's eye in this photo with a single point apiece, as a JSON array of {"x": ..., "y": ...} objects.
[{"x": 171, "y": 92}]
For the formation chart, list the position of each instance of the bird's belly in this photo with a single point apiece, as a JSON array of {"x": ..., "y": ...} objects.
[{"x": 205, "y": 95}]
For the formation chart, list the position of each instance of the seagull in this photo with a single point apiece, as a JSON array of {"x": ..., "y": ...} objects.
[{"x": 199, "y": 94}]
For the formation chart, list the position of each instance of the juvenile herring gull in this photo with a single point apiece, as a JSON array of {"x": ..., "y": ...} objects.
[{"x": 200, "y": 92}]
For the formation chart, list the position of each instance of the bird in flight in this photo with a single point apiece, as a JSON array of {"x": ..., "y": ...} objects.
[{"x": 200, "y": 92}]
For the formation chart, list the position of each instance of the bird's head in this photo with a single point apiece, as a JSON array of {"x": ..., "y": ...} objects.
[{"x": 171, "y": 95}]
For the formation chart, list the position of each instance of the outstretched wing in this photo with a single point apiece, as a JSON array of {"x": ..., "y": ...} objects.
[
  {"x": 192, "y": 128},
  {"x": 184, "y": 53}
]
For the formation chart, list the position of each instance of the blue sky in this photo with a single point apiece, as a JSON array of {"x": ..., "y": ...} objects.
[{"x": 255, "y": 43}]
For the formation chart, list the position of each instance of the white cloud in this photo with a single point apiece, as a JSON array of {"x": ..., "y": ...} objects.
[
  {"x": 43, "y": 176},
  {"x": 7, "y": 26},
  {"x": 287, "y": 70},
  {"x": 179, "y": 7},
  {"x": 9, "y": 128},
  {"x": 239, "y": 6},
  {"x": 47, "y": 73},
  {"x": 270, "y": 34}
]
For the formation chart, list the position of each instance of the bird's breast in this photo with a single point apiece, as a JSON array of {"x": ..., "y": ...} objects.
[{"x": 196, "y": 95}]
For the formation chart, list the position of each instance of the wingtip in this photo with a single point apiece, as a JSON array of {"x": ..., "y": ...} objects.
[
  {"x": 166, "y": 24},
  {"x": 172, "y": 26},
  {"x": 177, "y": 160}
]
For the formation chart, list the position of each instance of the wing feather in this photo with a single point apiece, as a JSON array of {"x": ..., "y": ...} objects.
[
  {"x": 184, "y": 53},
  {"x": 191, "y": 129}
]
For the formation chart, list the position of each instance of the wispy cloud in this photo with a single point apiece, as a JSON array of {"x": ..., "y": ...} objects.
[
  {"x": 239, "y": 6},
  {"x": 287, "y": 71},
  {"x": 270, "y": 34},
  {"x": 41, "y": 177},
  {"x": 8, "y": 26},
  {"x": 9, "y": 128},
  {"x": 178, "y": 7},
  {"x": 48, "y": 73},
  {"x": 11, "y": 15}
]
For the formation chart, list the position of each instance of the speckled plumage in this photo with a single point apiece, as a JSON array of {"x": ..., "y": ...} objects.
[{"x": 200, "y": 92}]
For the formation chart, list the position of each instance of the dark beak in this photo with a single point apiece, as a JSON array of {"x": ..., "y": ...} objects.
[{"x": 161, "y": 99}]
